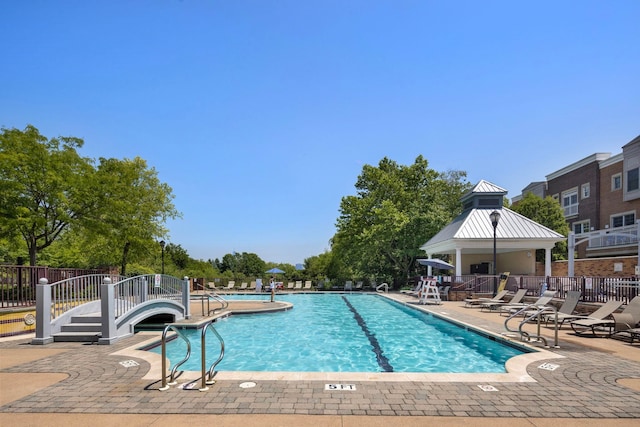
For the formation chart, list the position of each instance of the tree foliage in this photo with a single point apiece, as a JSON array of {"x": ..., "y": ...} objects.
[
  {"x": 49, "y": 194},
  {"x": 549, "y": 213},
  {"x": 397, "y": 209},
  {"x": 45, "y": 187}
]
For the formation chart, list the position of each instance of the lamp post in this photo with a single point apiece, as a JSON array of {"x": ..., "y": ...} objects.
[
  {"x": 162, "y": 243},
  {"x": 495, "y": 218}
]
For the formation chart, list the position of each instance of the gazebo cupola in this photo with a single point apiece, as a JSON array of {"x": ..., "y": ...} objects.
[{"x": 484, "y": 195}]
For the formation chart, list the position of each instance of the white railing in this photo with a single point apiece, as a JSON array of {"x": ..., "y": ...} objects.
[
  {"x": 134, "y": 291},
  {"x": 617, "y": 236},
  {"x": 70, "y": 293}
]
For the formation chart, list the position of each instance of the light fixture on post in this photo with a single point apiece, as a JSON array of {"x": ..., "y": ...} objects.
[
  {"x": 162, "y": 243},
  {"x": 495, "y": 218}
]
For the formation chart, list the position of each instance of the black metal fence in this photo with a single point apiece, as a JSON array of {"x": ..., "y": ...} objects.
[{"x": 592, "y": 289}]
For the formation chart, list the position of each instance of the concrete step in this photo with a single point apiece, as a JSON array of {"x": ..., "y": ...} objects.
[
  {"x": 87, "y": 318},
  {"x": 76, "y": 337},
  {"x": 81, "y": 327}
]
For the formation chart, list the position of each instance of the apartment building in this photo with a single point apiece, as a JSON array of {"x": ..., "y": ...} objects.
[{"x": 600, "y": 197}]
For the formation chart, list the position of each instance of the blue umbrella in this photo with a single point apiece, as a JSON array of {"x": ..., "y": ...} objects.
[{"x": 275, "y": 271}]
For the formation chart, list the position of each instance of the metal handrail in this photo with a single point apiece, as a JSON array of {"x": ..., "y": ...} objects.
[
  {"x": 207, "y": 377},
  {"x": 224, "y": 303},
  {"x": 165, "y": 384},
  {"x": 537, "y": 315},
  {"x": 382, "y": 285}
]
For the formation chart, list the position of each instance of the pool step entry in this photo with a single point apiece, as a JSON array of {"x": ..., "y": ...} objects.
[{"x": 207, "y": 375}]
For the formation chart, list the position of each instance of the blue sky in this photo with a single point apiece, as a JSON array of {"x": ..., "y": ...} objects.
[{"x": 260, "y": 114}]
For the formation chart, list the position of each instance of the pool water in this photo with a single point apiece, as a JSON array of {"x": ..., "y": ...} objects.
[{"x": 345, "y": 333}]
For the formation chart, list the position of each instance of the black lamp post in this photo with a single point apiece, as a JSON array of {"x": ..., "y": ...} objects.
[
  {"x": 495, "y": 218},
  {"x": 162, "y": 243}
]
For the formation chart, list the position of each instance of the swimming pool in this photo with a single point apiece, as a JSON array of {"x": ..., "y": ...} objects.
[{"x": 347, "y": 333}]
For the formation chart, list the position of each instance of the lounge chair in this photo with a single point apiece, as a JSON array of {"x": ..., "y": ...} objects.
[
  {"x": 491, "y": 306},
  {"x": 244, "y": 286},
  {"x": 290, "y": 286},
  {"x": 298, "y": 285},
  {"x": 630, "y": 316},
  {"x": 566, "y": 309},
  {"x": 230, "y": 285},
  {"x": 633, "y": 334},
  {"x": 414, "y": 292},
  {"x": 307, "y": 284},
  {"x": 475, "y": 302},
  {"x": 601, "y": 319},
  {"x": 348, "y": 286},
  {"x": 514, "y": 308},
  {"x": 358, "y": 286}
]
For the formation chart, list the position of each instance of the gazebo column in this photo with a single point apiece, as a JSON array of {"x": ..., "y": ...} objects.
[{"x": 547, "y": 262}]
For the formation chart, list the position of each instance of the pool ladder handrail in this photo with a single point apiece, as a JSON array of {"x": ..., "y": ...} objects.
[
  {"x": 208, "y": 296},
  {"x": 207, "y": 376},
  {"x": 382, "y": 285},
  {"x": 165, "y": 384},
  {"x": 539, "y": 310}
]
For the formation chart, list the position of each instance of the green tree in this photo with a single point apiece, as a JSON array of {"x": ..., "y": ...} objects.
[
  {"x": 397, "y": 209},
  {"x": 549, "y": 213},
  {"x": 45, "y": 187},
  {"x": 137, "y": 206}
]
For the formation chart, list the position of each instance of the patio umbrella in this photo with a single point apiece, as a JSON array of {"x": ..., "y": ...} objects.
[
  {"x": 436, "y": 263},
  {"x": 275, "y": 270}
]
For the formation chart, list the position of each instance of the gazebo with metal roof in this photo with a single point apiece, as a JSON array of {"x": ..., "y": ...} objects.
[{"x": 469, "y": 237}]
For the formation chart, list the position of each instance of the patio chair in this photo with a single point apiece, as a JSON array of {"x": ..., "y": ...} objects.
[
  {"x": 358, "y": 286},
  {"x": 444, "y": 295},
  {"x": 630, "y": 316},
  {"x": 475, "y": 302},
  {"x": 566, "y": 309},
  {"x": 348, "y": 286},
  {"x": 599, "y": 320},
  {"x": 298, "y": 285},
  {"x": 491, "y": 306},
  {"x": 514, "y": 308},
  {"x": 633, "y": 334},
  {"x": 307, "y": 284}
]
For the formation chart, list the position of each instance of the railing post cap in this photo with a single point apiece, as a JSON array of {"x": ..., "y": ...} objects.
[
  {"x": 107, "y": 280},
  {"x": 43, "y": 281},
  {"x": 186, "y": 277}
]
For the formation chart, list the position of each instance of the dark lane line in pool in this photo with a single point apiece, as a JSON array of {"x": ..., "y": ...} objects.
[{"x": 383, "y": 362}]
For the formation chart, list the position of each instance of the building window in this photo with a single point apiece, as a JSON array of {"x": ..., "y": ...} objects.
[
  {"x": 586, "y": 190},
  {"x": 570, "y": 202},
  {"x": 623, "y": 220},
  {"x": 616, "y": 182},
  {"x": 581, "y": 227},
  {"x": 633, "y": 181}
]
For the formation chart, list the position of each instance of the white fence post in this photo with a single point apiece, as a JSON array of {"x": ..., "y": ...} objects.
[{"x": 43, "y": 313}]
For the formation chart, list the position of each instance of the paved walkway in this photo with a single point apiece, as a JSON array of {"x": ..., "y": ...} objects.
[{"x": 595, "y": 382}]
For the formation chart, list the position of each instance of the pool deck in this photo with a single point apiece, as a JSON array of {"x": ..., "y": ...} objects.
[{"x": 586, "y": 382}]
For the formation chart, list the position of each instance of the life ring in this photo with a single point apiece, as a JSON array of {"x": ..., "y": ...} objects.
[{"x": 29, "y": 319}]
